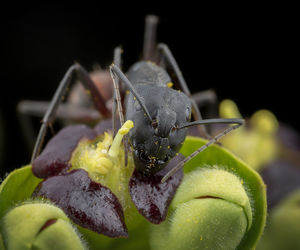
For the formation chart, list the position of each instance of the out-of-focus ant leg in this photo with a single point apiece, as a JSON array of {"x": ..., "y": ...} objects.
[
  {"x": 66, "y": 112},
  {"x": 149, "y": 46},
  {"x": 207, "y": 99}
]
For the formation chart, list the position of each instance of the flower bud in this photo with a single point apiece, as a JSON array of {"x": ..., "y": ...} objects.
[
  {"x": 211, "y": 210},
  {"x": 220, "y": 204},
  {"x": 38, "y": 226}
]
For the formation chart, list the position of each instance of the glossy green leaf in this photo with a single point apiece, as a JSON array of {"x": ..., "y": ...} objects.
[
  {"x": 17, "y": 187},
  {"x": 252, "y": 182}
]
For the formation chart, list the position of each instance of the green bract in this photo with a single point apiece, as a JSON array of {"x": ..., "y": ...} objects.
[
  {"x": 221, "y": 204},
  {"x": 17, "y": 187}
]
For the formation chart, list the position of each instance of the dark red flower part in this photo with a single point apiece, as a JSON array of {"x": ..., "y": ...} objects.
[
  {"x": 87, "y": 203},
  {"x": 55, "y": 158},
  {"x": 151, "y": 197},
  {"x": 90, "y": 204}
]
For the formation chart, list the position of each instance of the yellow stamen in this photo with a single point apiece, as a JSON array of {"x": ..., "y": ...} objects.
[
  {"x": 114, "y": 149},
  {"x": 99, "y": 158}
]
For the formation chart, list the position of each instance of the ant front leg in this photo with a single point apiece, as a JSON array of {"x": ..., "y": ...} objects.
[
  {"x": 75, "y": 72},
  {"x": 117, "y": 101},
  {"x": 165, "y": 52},
  {"x": 116, "y": 93}
]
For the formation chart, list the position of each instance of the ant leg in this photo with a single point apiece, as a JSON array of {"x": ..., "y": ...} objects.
[
  {"x": 149, "y": 53},
  {"x": 117, "y": 101},
  {"x": 65, "y": 113},
  {"x": 205, "y": 97},
  {"x": 238, "y": 122},
  {"x": 116, "y": 71},
  {"x": 164, "y": 51},
  {"x": 77, "y": 108},
  {"x": 209, "y": 100},
  {"x": 75, "y": 72}
]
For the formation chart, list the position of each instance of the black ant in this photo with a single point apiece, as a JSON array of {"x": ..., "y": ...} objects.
[{"x": 161, "y": 114}]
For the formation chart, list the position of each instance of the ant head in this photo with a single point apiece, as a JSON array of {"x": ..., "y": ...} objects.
[{"x": 158, "y": 140}]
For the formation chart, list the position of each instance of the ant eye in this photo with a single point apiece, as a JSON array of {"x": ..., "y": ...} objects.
[
  {"x": 187, "y": 114},
  {"x": 143, "y": 156}
]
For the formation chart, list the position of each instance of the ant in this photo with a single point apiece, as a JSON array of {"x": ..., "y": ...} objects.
[{"x": 161, "y": 114}]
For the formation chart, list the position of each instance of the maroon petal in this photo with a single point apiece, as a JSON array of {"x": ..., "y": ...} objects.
[
  {"x": 151, "y": 197},
  {"x": 87, "y": 203},
  {"x": 56, "y": 156}
]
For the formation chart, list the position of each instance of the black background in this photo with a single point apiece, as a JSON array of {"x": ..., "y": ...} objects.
[{"x": 246, "y": 53}]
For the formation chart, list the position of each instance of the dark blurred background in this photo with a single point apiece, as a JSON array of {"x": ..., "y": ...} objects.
[{"x": 243, "y": 53}]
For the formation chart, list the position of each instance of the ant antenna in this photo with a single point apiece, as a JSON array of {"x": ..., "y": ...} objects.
[
  {"x": 114, "y": 70},
  {"x": 213, "y": 121},
  {"x": 238, "y": 122}
]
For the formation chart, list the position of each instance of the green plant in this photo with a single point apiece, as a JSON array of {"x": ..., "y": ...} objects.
[{"x": 221, "y": 201}]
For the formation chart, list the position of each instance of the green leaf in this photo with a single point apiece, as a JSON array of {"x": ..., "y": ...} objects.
[
  {"x": 252, "y": 182},
  {"x": 17, "y": 187}
]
